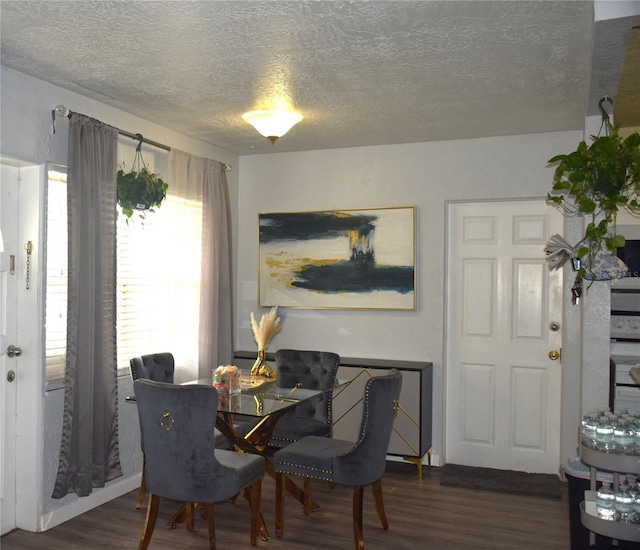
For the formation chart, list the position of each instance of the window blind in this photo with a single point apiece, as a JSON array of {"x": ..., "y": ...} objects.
[{"x": 158, "y": 281}]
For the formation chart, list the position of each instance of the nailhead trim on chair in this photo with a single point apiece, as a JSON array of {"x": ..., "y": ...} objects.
[
  {"x": 285, "y": 439},
  {"x": 366, "y": 412},
  {"x": 327, "y": 473},
  {"x": 249, "y": 475},
  {"x": 362, "y": 428},
  {"x": 279, "y": 441}
]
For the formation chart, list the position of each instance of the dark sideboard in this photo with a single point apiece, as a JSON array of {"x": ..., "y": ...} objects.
[{"x": 411, "y": 437}]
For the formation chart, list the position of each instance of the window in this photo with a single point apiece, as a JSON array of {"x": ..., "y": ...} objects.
[
  {"x": 56, "y": 275},
  {"x": 158, "y": 278},
  {"x": 158, "y": 281}
]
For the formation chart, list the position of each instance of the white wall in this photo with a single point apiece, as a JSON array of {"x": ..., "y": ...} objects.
[
  {"x": 426, "y": 175},
  {"x": 26, "y": 135}
]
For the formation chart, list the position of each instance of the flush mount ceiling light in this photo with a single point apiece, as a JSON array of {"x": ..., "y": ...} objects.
[{"x": 272, "y": 124}]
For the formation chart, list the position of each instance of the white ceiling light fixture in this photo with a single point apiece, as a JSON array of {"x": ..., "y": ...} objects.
[{"x": 272, "y": 124}]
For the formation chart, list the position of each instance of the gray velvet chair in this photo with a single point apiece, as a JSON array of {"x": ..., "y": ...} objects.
[
  {"x": 315, "y": 370},
  {"x": 159, "y": 367},
  {"x": 182, "y": 463},
  {"x": 345, "y": 462}
]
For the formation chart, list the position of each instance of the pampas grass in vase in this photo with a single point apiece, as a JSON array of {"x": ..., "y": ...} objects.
[{"x": 263, "y": 333}]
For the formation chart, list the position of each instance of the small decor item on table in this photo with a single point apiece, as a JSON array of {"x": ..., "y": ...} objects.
[
  {"x": 263, "y": 333},
  {"x": 226, "y": 379}
]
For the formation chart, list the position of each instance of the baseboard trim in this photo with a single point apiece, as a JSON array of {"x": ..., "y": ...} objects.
[{"x": 84, "y": 504}]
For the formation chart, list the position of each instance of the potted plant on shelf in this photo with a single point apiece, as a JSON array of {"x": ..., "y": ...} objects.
[
  {"x": 597, "y": 181},
  {"x": 140, "y": 189}
]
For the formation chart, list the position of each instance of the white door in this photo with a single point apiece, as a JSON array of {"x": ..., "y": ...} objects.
[
  {"x": 8, "y": 334},
  {"x": 502, "y": 388}
]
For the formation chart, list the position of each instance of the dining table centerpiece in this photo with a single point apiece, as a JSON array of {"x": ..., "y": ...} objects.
[
  {"x": 263, "y": 332},
  {"x": 226, "y": 379}
]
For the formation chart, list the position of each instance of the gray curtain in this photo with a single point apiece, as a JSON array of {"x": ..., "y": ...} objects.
[
  {"x": 216, "y": 312},
  {"x": 89, "y": 454},
  {"x": 207, "y": 179}
]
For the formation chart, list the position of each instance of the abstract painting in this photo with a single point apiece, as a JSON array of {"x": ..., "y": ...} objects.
[{"x": 338, "y": 259}]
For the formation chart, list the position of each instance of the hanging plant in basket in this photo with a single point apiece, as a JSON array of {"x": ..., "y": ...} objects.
[
  {"x": 597, "y": 181},
  {"x": 140, "y": 190}
]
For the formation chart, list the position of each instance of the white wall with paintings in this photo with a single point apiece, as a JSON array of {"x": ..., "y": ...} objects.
[{"x": 424, "y": 175}]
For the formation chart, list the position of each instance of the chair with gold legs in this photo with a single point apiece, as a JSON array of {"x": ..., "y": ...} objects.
[
  {"x": 159, "y": 367},
  {"x": 344, "y": 462},
  {"x": 181, "y": 461}
]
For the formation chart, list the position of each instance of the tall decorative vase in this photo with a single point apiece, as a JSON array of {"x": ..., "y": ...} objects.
[{"x": 261, "y": 368}]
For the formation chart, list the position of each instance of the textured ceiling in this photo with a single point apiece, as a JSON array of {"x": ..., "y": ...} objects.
[{"x": 361, "y": 73}]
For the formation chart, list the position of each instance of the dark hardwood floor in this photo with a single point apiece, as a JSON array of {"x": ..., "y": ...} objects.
[{"x": 421, "y": 515}]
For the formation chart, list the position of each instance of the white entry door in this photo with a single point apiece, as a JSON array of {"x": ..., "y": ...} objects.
[
  {"x": 8, "y": 335},
  {"x": 503, "y": 320}
]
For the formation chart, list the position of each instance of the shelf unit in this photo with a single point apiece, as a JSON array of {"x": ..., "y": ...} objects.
[{"x": 615, "y": 463}]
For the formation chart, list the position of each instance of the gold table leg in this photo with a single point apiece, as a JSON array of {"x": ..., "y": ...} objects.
[{"x": 417, "y": 460}]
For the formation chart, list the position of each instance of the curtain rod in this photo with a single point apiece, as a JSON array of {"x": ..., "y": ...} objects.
[{"x": 62, "y": 111}]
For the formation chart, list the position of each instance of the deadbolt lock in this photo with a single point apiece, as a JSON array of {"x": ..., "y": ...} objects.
[
  {"x": 11, "y": 376},
  {"x": 554, "y": 326}
]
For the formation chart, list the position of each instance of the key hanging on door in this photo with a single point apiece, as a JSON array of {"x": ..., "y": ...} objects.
[{"x": 576, "y": 290}]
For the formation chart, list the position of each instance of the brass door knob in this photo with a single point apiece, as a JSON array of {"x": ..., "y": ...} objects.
[{"x": 554, "y": 355}]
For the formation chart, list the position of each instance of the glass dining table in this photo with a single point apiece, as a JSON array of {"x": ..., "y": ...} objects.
[{"x": 262, "y": 405}]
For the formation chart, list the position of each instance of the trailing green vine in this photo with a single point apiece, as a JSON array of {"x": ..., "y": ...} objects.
[
  {"x": 140, "y": 190},
  {"x": 597, "y": 181}
]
